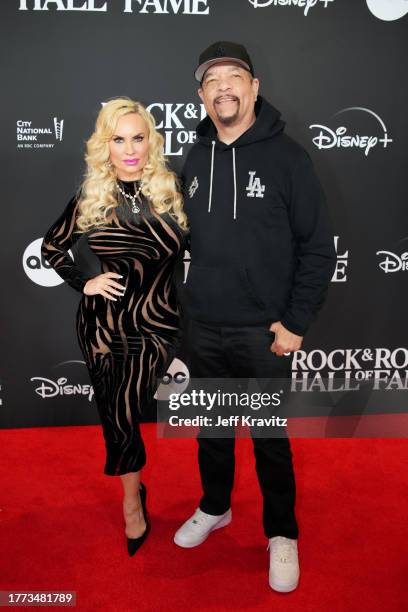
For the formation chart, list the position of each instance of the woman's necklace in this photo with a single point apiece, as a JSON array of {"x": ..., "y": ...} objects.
[{"x": 135, "y": 207}]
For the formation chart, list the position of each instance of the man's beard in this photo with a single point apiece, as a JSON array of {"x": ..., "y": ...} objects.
[{"x": 232, "y": 118}]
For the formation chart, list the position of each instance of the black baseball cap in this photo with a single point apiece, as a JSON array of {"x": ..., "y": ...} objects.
[{"x": 223, "y": 51}]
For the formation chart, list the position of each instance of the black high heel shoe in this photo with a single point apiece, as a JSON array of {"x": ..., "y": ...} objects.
[{"x": 133, "y": 544}]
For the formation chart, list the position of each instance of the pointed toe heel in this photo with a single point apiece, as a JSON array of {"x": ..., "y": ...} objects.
[{"x": 133, "y": 544}]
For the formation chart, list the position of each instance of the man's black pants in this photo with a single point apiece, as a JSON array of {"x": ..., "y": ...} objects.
[{"x": 244, "y": 352}]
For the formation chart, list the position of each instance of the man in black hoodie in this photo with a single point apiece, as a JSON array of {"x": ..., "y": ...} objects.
[{"x": 262, "y": 257}]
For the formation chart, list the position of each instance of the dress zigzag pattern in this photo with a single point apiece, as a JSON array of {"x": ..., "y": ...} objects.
[{"x": 127, "y": 344}]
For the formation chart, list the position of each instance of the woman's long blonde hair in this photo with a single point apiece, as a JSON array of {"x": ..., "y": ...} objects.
[{"x": 99, "y": 191}]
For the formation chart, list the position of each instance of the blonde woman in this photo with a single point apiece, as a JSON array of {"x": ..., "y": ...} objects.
[{"x": 127, "y": 321}]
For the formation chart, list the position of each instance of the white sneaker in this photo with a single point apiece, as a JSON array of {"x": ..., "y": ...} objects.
[
  {"x": 283, "y": 564},
  {"x": 198, "y": 527}
]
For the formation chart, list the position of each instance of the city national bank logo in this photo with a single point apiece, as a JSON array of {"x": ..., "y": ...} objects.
[
  {"x": 328, "y": 138},
  {"x": 317, "y": 370},
  {"x": 306, "y": 5},
  {"x": 47, "y": 388},
  {"x": 388, "y": 10},
  {"x": 391, "y": 262},
  {"x": 30, "y": 136},
  {"x": 37, "y": 268},
  {"x": 177, "y": 122},
  {"x": 157, "y": 7}
]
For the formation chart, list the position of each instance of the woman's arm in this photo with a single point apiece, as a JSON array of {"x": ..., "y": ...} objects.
[{"x": 59, "y": 238}]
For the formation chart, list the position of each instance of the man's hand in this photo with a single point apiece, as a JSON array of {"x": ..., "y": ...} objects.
[{"x": 285, "y": 341}]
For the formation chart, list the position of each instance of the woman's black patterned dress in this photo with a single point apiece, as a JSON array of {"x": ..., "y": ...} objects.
[{"x": 126, "y": 343}]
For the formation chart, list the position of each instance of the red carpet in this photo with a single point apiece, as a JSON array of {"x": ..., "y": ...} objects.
[{"x": 62, "y": 526}]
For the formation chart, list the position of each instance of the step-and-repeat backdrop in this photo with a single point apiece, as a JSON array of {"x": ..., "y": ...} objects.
[{"x": 336, "y": 69}]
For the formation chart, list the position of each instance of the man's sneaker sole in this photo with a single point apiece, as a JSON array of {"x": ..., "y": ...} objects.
[
  {"x": 283, "y": 588},
  {"x": 223, "y": 523}
]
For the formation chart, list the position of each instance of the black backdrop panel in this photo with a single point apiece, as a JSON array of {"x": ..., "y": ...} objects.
[{"x": 336, "y": 70}]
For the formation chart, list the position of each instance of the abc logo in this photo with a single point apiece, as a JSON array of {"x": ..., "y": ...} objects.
[
  {"x": 175, "y": 380},
  {"x": 37, "y": 268}
]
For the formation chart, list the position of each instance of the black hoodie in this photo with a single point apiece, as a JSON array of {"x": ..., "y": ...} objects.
[{"x": 262, "y": 245}]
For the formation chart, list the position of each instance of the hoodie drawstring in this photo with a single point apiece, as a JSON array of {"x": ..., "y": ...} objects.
[
  {"x": 235, "y": 182},
  {"x": 234, "y": 172},
  {"x": 211, "y": 176}
]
